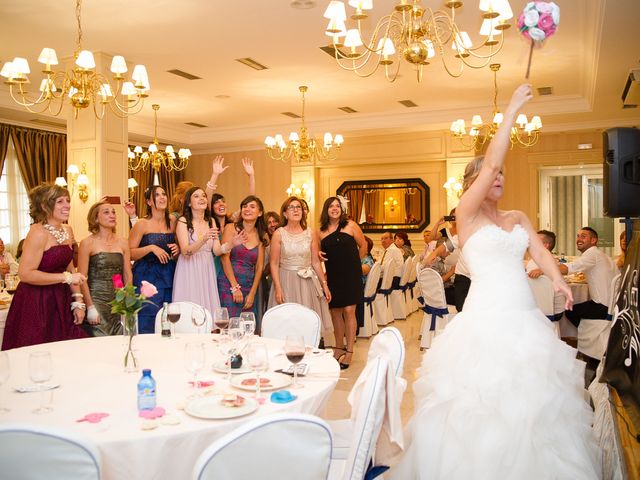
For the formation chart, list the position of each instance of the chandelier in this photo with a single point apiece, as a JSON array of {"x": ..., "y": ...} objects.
[
  {"x": 416, "y": 34},
  {"x": 302, "y": 147},
  {"x": 82, "y": 86},
  {"x": 524, "y": 133},
  {"x": 156, "y": 158}
]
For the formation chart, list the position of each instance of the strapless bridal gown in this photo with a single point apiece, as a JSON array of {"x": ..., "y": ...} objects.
[{"x": 499, "y": 396}]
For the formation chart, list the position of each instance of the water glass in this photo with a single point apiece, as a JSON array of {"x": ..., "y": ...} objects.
[
  {"x": 41, "y": 371},
  {"x": 258, "y": 361},
  {"x": 5, "y": 370},
  {"x": 194, "y": 360},
  {"x": 226, "y": 348},
  {"x": 248, "y": 323}
]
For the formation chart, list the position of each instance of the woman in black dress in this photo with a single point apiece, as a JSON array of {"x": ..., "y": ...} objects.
[{"x": 343, "y": 245}]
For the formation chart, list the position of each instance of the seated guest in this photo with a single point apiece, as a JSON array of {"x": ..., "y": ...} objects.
[
  {"x": 429, "y": 245},
  {"x": 392, "y": 258},
  {"x": 401, "y": 239},
  {"x": 623, "y": 247},
  {"x": 8, "y": 264},
  {"x": 445, "y": 272},
  {"x": 549, "y": 241},
  {"x": 599, "y": 270},
  {"x": 366, "y": 262}
]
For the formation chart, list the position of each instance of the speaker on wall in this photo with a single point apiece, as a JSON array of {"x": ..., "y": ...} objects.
[{"x": 621, "y": 149}]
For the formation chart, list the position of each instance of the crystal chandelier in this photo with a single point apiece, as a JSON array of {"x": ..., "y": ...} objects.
[
  {"x": 302, "y": 147},
  {"x": 416, "y": 34},
  {"x": 82, "y": 86},
  {"x": 524, "y": 133},
  {"x": 156, "y": 158}
]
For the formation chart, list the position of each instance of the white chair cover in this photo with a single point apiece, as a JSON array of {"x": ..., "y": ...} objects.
[
  {"x": 289, "y": 319},
  {"x": 434, "y": 305},
  {"x": 185, "y": 325},
  {"x": 389, "y": 344},
  {"x": 412, "y": 291},
  {"x": 370, "y": 328},
  {"x": 593, "y": 335},
  {"x": 368, "y": 407},
  {"x": 398, "y": 300},
  {"x": 545, "y": 296},
  {"x": 278, "y": 446},
  {"x": 33, "y": 453},
  {"x": 381, "y": 304}
]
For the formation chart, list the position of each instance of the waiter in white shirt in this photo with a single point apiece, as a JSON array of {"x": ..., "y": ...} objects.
[
  {"x": 599, "y": 270},
  {"x": 392, "y": 258}
]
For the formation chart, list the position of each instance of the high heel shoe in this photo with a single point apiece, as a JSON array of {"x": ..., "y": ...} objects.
[{"x": 344, "y": 366}]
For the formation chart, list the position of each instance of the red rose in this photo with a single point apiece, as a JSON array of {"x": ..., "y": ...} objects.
[{"x": 117, "y": 281}]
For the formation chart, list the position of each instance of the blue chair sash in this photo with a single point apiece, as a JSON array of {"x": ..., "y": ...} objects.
[
  {"x": 556, "y": 317},
  {"x": 434, "y": 312},
  {"x": 368, "y": 302}
]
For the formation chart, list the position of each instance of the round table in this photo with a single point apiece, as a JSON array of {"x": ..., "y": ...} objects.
[{"x": 92, "y": 379}]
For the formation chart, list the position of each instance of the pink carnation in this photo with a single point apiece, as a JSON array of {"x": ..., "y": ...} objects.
[
  {"x": 148, "y": 289},
  {"x": 545, "y": 22},
  {"x": 117, "y": 281}
]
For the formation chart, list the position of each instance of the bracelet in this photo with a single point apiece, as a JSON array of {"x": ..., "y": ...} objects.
[
  {"x": 224, "y": 248},
  {"x": 68, "y": 278},
  {"x": 77, "y": 295},
  {"x": 236, "y": 288},
  {"x": 211, "y": 186}
]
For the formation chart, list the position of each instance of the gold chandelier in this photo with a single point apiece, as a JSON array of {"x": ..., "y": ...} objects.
[
  {"x": 82, "y": 86},
  {"x": 524, "y": 133},
  {"x": 156, "y": 158},
  {"x": 414, "y": 33},
  {"x": 302, "y": 147}
]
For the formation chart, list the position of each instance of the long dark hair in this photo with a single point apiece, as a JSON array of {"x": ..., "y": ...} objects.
[
  {"x": 214, "y": 198},
  {"x": 150, "y": 194},
  {"x": 186, "y": 209},
  {"x": 324, "y": 216},
  {"x": 261, "y": 226},
  {"x": 285, "y": 206}
]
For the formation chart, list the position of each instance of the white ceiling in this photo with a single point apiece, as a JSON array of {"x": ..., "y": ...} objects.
[{"x": 586, "y": 62}]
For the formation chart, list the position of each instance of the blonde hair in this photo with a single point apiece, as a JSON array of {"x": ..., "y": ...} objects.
[
  {"x": 43, "y": 198},
  {"x": 471, "y": 172},
  {"x": 176, "y": 204},
  {"x": 92, "y": 217}
]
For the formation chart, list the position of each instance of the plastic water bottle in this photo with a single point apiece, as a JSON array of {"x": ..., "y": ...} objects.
[
  {"x": 146, "y": 391},
  {"x": 166, "y": 326}
]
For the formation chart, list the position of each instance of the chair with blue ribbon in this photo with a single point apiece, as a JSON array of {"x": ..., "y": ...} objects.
[
  {"x": 370, "y": 327},
  {"x": 381, "y": 304},
  {"x": 397, "y": 299},
  {"x": 433, "y": 304},
  {"x": 411, "y": 294}
]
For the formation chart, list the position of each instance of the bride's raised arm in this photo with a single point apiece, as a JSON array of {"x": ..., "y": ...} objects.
[{"x": 478, "y": 184}]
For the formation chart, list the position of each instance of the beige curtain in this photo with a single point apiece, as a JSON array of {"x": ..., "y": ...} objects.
[
  {"x": 42, "y": 156},
  {"x": 5, "y": 135},
  {"x": 566, "y": 211}
]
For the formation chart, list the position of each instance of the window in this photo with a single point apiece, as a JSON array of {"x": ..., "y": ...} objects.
[{"x": 14, "y": 202}]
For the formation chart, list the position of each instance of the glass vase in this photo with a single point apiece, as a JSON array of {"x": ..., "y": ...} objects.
[{"x": 130, "y": 334}]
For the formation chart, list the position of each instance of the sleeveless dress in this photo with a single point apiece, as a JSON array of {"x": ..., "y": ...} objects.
[
  {"x": 195, "y": 277},
  {"x": 344, "y": 271},
  {"x": 499, "y": 396},
  {"x": 42, "y": 313},
  {"x": 243, "y": 262},
  {"x": 298, "y": 280},
  {"x": 102, "y": 267},
  {"x": 150, "y": 269}
]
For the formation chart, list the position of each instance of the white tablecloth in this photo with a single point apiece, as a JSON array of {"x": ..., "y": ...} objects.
[
  {"x": 580, "y": 292},
  {"x": 91, "y": 377}
]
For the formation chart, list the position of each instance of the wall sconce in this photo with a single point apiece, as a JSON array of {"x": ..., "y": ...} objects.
[
  {"x": 453, "y": 187},
  {"x": 61, "y": 182},
  {"x": 132, "y": 185},
  {"x": 301, "y": 192},
  {"x": 78, "y": 178},
  {"x": 391, "y": 203}
]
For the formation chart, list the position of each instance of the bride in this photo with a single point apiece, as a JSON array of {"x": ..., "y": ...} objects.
[{"x": 499, "y": 396}]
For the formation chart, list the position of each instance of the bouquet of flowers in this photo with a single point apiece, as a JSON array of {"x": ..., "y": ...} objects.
[
  {"x": 537, "y": 22},
  {"x": 127, "y": 303}
]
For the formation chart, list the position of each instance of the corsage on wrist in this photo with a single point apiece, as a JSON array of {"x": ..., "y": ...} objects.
[
  {"x": 68, "y": 277},
  {"x": 76, "y": 305},
  {"x": 235, "y": 288}
]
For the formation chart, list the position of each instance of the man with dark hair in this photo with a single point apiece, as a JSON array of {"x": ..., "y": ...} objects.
[
  {"x": 548, "y": 239},
  {"x": 599, "y": 270}
]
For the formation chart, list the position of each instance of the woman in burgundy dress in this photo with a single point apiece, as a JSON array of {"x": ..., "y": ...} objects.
[{"x": 48, "y": 305}]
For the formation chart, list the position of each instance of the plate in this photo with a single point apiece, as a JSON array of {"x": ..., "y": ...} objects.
[
  {"x": 211, "y": 408},
  {"x": 276, "y": 381},
  {"x": 36, "y": 387},
  {"x": 222, "y": 368}
]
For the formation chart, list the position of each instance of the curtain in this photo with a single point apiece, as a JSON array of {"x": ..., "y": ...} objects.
[
  {"x": 42, "y": 156},
  {"x": 168, "y": 181},
  {"x": 5, "y": 134}
]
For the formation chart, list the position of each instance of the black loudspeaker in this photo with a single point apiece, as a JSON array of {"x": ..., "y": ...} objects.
[{"x": 621, "y": 149}]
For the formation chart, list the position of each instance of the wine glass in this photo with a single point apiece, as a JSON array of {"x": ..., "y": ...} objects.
[
  {"x": 221, "y": 318},
  {"x": 173, "y": 316},
  {"x": 294, "y": 350},
  {"x": 5, "y": 370},
  {"x": 225, "y": 345},
  {"x": 248, "y": 323},
  {"x": 258, "y": 361},
  {"x": 194, "y": 359},
  {"x": 198, "y": 317},
  {"x": 40, "y": 371}
]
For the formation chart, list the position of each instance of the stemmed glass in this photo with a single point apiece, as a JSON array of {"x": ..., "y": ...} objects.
[
  {"x": 248, "y": 323},
  {"x": 221, "y": 318},
  {"x": 236, "y": 334},
  {"x": 40, "y": 371},
  {"x": 173, "y": 316},
  {"x": 258, "y": 361},
  {"x": 294, "y": 350},
  {"x": 194, "y": 359},
  {"x": 198, "y": 317},
  {"x": 5, "y": 370},
  {"x": 225, "y": 345}
]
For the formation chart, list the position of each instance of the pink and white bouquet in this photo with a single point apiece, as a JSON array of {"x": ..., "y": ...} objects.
[{"x": 539, "y": 20}]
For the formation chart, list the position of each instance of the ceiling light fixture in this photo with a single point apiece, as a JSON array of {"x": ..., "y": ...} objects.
[
  {"x": 156, "y": 158},
  {"x": 524, "y": 133},
  {"x": 81, "y": 85},
  {"x": 301, "y": 147},
  {"x": 414, "y": 33}
]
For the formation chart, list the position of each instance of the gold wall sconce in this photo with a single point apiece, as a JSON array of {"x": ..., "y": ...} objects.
[
  {"x": 132, "y": 185},
  {"x": 391, "y": 203},
  {"x": 78, "y": 178}
]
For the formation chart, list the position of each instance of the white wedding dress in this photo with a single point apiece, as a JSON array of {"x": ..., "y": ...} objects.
[{"x": 499, "y": 396}]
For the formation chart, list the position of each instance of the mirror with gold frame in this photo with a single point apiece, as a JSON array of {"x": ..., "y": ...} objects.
[{"x": 378, "y": 205}]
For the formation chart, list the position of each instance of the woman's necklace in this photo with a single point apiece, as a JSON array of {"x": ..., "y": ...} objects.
[{"x": 60, "y": 234}]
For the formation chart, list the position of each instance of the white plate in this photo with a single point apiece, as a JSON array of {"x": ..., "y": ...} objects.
[
  {"x": 210, "y": 408},
  {"x": 276, "y": 381},
  {"x": 222, "y": 368},
  {"x": 36, "y": 387}
]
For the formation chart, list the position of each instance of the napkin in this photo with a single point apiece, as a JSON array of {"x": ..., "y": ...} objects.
[
  {"x": 93, "y": 417},
  {"x": 282, "y": 396}
]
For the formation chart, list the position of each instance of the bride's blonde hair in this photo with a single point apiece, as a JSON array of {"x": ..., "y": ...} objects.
[{"x": 471, "y": 171}]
